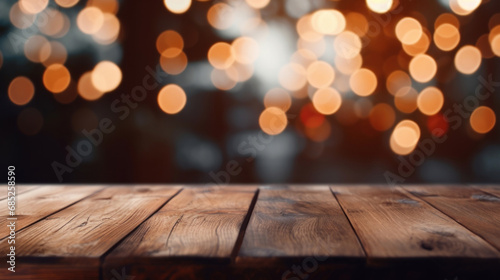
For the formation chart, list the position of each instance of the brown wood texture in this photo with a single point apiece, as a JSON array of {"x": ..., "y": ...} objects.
[
  {"x": 198, "y": 224},
  {"x": 394, "y": 225},
  {"x": 476, "y": 210},
  {"x": 491, "y": 189},
  {"x": 19, "y": 190},
  {"x": 39, "y": 203},
  {"x": 75, "y": 238}
]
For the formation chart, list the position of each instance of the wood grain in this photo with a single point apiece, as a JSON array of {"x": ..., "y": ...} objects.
[
  {"x": 491, "y": 189},
  {"x": 78, "y": 236},
  {"x": 476, "y": 210},
  {"x": 39, "y": 203},
  {"x": 198, "y": 224},
  {"x": 299, "y": 222},
  {"x": 393, "y": 225},
  {"x": 19, "y": 190}
]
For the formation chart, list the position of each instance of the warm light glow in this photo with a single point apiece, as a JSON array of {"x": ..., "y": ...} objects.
[
  {"x": 408, "y": 31},
  {"x": 172, "y": 99},
  {"x": 86, "y": 88},
  {"x": 469, "y": 5},
  {"x": 273, "y": 121},
  {"x": 221, "y": 16},
  {"x": 106, "y": 76},
  {"x": 320, "y": 74},
  {"x": 177, "y": 6},
  {"x": 169, "y": 43},
  {"x": 58, "y": 53},
  {"x": 257, "y": 4},
  {"x": 174, "y": 65},
  {"x": 430, "y": 101},
  {"x": 278, "y": 97},
  {"x": 404, "y": 137},
  {"x": 221, "y": 55},
  {"x": 330, "y": 22},
  {"x": 90, "y": 20},
  {"x": 56, "y": 78},
  {"x": 306, "y": 31},
  {"x": 397, "y": 80},
  {"x": 495, "y": 45},
  {"x": 382, "y": 117},
  {"x": 34, "y": 48},
  {"x": 54, "y": 24},
  {"x": 405, "y": 99},
  {"x": 109, "y": 30},
  {"x": 423, "y": 68},
  {"x": 222, "y": 79},
  {"x": 21, "y": 90},
  {"x": 420, "y": 47},
  {"x": 379, "y": 6},
  {"x": 347, "y": 45},
  {"x": 327, "y": 101},
  {"x": 33, "y": 6},
  {"x": 447, "y": 18},
  {"x": 483, "y": 119},
  {"x": 446, "y": 37},
  {"x": 292, "y": 76},
  {"x": 356, "y": 23},
  {"x": 20, "y": 19},
  {"x": 106, "y": 6},
  {"x": 245, "y": 49},
  {"x": 348, "y": 66},
  {"x": 66, "y": 3},
  {"x": 319, "y": 133},
  {"x": 468, "y": 59},
  {"x": 363, "y": 82}
]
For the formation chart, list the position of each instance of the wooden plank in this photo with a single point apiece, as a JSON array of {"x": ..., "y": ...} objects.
[
  {"x": 77, "y": 237},
  {"x": 302, "y": 227},
  {"x": 394, "y": 225},
  {"x": 19, "y": 190},
  {"x": 199, "y": 223},
  {"x": 491, "y": 189},
  {"x": 39, "y": 203},
  {"x": 476, "y": 210}
]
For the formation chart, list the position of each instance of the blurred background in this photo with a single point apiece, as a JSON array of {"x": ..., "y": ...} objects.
[{"x": 250, "y": 91}]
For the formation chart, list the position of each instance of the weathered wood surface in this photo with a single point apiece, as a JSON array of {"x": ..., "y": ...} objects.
[
  {"x": 199, "y": 223},
  {"x": 77, "y": 237},
  {"x": 19, "y": 190},
  {"x": 392, "y": 224},
  {"x": 39, "y": 203}
]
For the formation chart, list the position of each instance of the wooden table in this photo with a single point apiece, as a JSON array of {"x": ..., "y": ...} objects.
[{"x": 254, "y": 232}]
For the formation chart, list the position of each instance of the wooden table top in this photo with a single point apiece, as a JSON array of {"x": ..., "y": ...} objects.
[{"x": 254, "y": 232}]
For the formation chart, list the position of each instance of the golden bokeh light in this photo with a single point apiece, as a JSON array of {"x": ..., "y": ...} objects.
[
  {"x": 327, "y": 101},
  {"x": 21, "y": 90},
  {"x": 221, "y": 55},
  {"x": 292, "y": 76},
  {"x": 109, "y": 30},
  {"x": 240, "y": 72},
  {"x": 483, "y": 119},
  {"x": 106, "y": 6},
  {"x": 86, "y": 88},
  {"x": 223, "y": 79},
  {"x": 278, "y": 97},
  {"x": 58, "y": 53},
  {"x": 172, "y": 99},
  {"x": 422, "y": 68},
  {"x": 363, "y": 82},
  {"x": 329, "y": 22},
  {"x": 257, "y": 4},
  {"x": 174, "y": 65},
  {"x": 33, "y": 6},
  {"x": 430, "y": 101},
  {"x": 221, "y": 16},
  {"x": 320, "y": 74},
  {"x": 245, "y": 49},
  {"x": 356, "y": 23},
  {"x": 348, "y": 66},
  {"x": 404, "y": 137},
  {"x": 106, "y": 76},
  {"x": 169, "y": 43},
  {"x": 273, "y": 120},
  {"x": 420, "y": 47},
  {"x": 20, "y": 19},
  {"x": 177, "y": 6},
  {"x": 305, "y": 29},
  {"x": 408, "y": 31},
  {"x": 347, "y": 45},
  {"x": 468, "y": 59},
  {"x": 457, "y": 9},
  {"x": 54, "y": 25},
  {"x": 303, "y": 57},
  {"x": 90, "y": 20},
  {"x": 446, "y": 18},
  {"x": 318, "y": 47},
  {"x": 469, "y": 5},
  {"x": 446, "y": 37},
  {"x": 56, "y": 78},
  {"x": 382, "y": 117},
  {"x": 397, "y": 80},
  {"x": 66, "y": 3},
  {"x": 34, "y": 48},
  {"x": 379, "y": 6},
  {"x": 495, "y": 45},
  {"x": 405, "y": 100}
]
